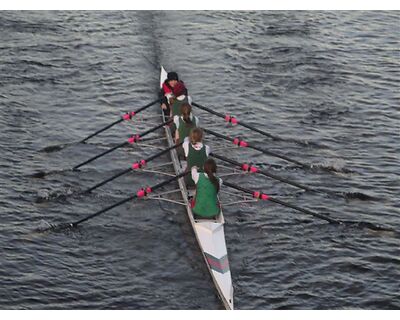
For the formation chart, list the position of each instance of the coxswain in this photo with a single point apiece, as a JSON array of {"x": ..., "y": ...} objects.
[
  {"x": 166, "y": 91},
  {"x": 206, "y": 204}
]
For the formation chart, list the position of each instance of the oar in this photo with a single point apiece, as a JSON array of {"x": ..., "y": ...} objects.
[
  {"x": 126, "y": 116},
  {"x": 250, "y": 168},
  {"x": 242, "y": 143},
  {"x": 137, "y": 165},
  {"x": 262, "y": 196},
  {"x": 235, "y": 121},
  {"x": 131, "y": 140},
  {"x": 253, "y": 169},
  {"x": 139, "y": 194}
]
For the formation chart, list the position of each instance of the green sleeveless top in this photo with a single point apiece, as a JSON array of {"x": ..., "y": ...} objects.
[
  {"x": 176, "y": 106},
  {"x": 206, "y": 204},
  {"x": 196, "y": 157},
  {"x": 185, "y": 128}
]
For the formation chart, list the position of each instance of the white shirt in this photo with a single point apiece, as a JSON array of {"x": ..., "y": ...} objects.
[
  {"x": 176, "y": 120},
  {"x": 195, "y": 176},
  {"x": 180, "y": 98},
  {"x": 196, "y": 146}
]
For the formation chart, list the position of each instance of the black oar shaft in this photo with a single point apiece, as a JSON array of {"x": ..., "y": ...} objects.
[
  {"x": 271, "y": 153},
  {"x": 155, "y": 187},
  {"x": 263, "y": 172},
  {"x": 121, "y": 173},
  {"x": 241, "y": 123},
  {"x": 244, "y": 124},
  {"x": 100, "y": 155},
  {"x": 162, "y": 152},
  {"x": 101, "y": 130},
  {"x": 147, "y": 105},
  {"x": 118, "y": 121},
  {"x": 121, "y": 145},
  {"x": 306, "y": 211},
  {"x": 155, "y": 128},
  {"x": 104, "y": 210},
  {"x": 208, "y": 110},
  {"x": 277, "y": 155},
  {"x": 284, "y": 203}
]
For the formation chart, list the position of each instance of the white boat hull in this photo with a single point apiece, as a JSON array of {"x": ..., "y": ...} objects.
[{"x": 209, "y": 234}]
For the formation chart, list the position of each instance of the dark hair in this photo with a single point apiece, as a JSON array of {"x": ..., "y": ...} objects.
[
  {"x": 186, "y": 110},
  {"x": 210, "y": 167},
  {"x": 172, "y": 76}
]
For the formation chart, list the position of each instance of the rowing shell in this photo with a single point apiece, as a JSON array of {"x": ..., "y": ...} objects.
[{"x": 209, "y": 232}]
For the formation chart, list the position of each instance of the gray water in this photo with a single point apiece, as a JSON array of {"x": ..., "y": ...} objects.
[{"x": 328, "y": 80}]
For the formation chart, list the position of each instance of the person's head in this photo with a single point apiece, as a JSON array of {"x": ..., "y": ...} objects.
[
  {"x": 186, "y": 110},
  {"x": 210, "y": 167},
  {"x": 196, "y": 135},
  {"x": 172, "y": 78},
  {"x": 179, "y": 89}
]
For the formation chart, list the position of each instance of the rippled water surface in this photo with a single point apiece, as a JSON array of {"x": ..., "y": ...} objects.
[{"x": 328, "y": 83}]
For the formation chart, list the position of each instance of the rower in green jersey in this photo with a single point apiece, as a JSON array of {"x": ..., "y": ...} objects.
[
  {"x": 180, "y": 97},
  {"x": 206, "y": 203},
  {"x": 184, "y": 123},
  {"x": 196, "y": 153}
]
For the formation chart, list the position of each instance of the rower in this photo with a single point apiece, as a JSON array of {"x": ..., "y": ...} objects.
[
  {"x": 206, "y": 204},
  {"x": 166, "y": 90},
  {"x": 196, "y": 153},
  {"x": 180, "y": 97},
  {"x": 184, "y": 123}
]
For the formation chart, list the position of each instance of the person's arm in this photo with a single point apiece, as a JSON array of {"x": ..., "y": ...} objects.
[
  {"x": 208, "y": 150},
  {"x": 195, "y": 174},
  {"x": 176, "y": 122},
  {"x": 185, "y": 147}
]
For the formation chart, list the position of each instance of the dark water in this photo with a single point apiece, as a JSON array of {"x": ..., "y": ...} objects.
[{"x": 328, "y": 78}]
